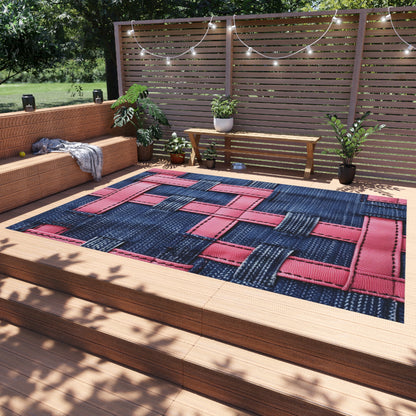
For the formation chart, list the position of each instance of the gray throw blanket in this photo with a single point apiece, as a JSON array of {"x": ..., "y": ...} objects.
[{"x": 88, "y": 156}]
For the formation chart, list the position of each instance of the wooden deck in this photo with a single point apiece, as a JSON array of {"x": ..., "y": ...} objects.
[{"x": 202, "y": 341}]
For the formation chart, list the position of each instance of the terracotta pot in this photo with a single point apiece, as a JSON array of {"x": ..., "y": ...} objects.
[
  {"x": 144, "y": 153},
  {"x": 223, "y": 124},
  {"x": 210, "y": 163},
  {"x": 177, "y": 158},
  {"x": 346, "y": 174}
]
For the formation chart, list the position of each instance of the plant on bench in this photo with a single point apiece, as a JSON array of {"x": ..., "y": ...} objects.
[{"x": 137, "y": 108}]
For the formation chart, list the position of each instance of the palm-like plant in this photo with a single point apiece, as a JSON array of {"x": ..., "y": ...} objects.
[
  {"x": 351, "y": 139},
  {"x": 136, "y": 107}
]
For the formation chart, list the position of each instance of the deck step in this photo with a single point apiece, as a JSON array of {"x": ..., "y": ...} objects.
[
  {"x": 370, "y": 351},
  {"x": 222, "y": 372},
  {"x": 41, "y": 376}
]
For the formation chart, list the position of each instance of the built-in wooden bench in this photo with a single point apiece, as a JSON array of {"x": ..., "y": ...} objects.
[
  {"x": 23, "y": 180},
  {"x": 310, "y": 142}
]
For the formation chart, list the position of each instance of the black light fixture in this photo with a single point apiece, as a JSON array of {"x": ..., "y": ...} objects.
[
  {"x": 28, "y": 101},
  {"x": 98, "y": 96}
]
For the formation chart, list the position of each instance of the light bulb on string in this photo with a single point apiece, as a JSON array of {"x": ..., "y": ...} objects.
[
  {"x": 309, "y": 50},
  {"x": 275, "y": 63},
  {"x": 168, "y": 61},
  {"x": 337, "y": 20},
  {"x": 212, "y": 25},
  {"x": 130, "y": 32},
  {"x": 142, "y": 52},
  {"x": 231, "y": 28},
  {"x": 408, "y": 49},
  {"x": 249, "y": 50},
  {"x": 193, "y": 51},
  {"x": 386, "y": 17}
]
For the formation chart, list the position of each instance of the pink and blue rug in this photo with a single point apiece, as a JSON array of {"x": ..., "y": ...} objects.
[{"x": 340, "y": 249}]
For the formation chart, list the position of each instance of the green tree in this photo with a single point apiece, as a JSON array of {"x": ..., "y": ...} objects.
[{"x": 27, "y": 42}]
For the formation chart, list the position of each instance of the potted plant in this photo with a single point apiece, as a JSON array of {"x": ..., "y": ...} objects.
[
  {"x": 351, "y": 141},
  {"x": 176, "y": 147},
  {"x": 223, "y": 108},
  {"x": 137, "y": 108},
  {"x": 210, "y": 154}
]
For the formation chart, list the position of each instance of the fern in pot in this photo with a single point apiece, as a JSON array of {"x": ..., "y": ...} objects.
[
  {"x": 223, "y": 108},
  {"x": 351, "y": 142},
  {"x": 135, "y": 107}
]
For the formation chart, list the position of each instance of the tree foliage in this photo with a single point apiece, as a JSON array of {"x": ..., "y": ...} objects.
[{"x": 27, "y": 40}]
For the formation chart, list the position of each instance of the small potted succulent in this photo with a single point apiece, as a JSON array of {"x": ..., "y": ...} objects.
[
  {"x": 351, "y": 141},
  {"x": 176, "y": 147},
  {"x": 223, "y": 108},
  {"x": 210, "y": 155},
  {"x": 137, "y": 108}
]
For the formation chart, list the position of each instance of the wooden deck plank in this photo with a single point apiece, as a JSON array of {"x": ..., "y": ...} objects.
[{"x": 40, "y": 376}]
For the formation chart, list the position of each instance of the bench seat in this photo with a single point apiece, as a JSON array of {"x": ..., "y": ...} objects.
[{"x": 24, "y": 180}]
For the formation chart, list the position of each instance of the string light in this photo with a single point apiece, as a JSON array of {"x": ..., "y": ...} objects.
[
  {"x": 307, "y": 48},
  {"x": 168, "y": 59},
  {"x": 409, "y": 47}
]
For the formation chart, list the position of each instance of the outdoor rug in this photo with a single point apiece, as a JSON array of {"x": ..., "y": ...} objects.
[{"x": 336, "y": 248}]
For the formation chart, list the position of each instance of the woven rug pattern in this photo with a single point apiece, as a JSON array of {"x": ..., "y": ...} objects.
[{"x": 340, "y": 249}]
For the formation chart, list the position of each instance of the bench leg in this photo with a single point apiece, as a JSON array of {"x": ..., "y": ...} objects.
[
  {"x": 309, "y": 161},
  {"x": 194, "y": 139}
]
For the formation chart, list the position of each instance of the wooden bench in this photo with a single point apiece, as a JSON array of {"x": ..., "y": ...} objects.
[
  {"x": 23, "y": 180},
  {"x": 310, "y": 142}
]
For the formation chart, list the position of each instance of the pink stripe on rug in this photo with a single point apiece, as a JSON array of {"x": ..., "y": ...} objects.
[
  {"x": 117, "y": 198},
  {"x": 377, "y": 252}
]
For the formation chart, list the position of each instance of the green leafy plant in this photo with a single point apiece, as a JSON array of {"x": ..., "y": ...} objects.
[
  {"x": 137, "y": 108},
  {"x": 223, "y": 106},
  {"x": 351, "y": 139},
  {"x": 211, "y": 152},
  {"x": 177, "y": 144}
]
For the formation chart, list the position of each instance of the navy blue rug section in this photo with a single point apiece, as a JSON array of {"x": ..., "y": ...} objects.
[{"x": 312, "y": 244}]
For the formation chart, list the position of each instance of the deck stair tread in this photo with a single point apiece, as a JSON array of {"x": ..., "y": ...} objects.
[
  {"x": 42, "y": 376},
  {"x": 223, "y": 372},
  {"x": 376, "y": 353}
]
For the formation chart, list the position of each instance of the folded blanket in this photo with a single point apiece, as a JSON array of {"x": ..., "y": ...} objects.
[{"x": 88, "y": 156}]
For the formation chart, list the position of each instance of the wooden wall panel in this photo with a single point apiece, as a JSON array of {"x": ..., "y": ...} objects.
[{"x": 344, "y": 75}]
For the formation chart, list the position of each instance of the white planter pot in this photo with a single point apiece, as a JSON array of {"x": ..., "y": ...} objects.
[{"x": 223, "y": 124}]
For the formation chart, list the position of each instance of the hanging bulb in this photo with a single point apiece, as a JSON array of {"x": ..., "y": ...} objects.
[
  {"x": 167, "y": 61},
  {"x": 275, "y": 63},
  {"x": 309, "y": 50},
  {"x": 408, "y": 49},
  {"x": 142, "y": 52},
  {"x": 385, "y": 18},
  {"x": 231, "y": 28},
  {"x": 249, "y": 50},
  {"x": 337, "y": 20},
  {"x": 193, "y": 51},
  {"x": 212, "y": 25},
  {"x": 130, "y": 32}
]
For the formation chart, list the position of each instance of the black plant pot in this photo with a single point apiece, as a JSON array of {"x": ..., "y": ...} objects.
[
  {"x": 346, "y": 174},
  {"x": 210, "y": 163}
]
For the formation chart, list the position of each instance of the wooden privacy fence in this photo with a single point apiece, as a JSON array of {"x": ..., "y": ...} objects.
[{"x": 358, "y": 65}]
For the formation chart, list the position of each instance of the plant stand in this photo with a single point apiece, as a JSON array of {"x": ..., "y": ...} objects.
[{"x": 145, "y": 153}]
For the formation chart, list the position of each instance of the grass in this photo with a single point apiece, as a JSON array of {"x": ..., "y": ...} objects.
[{"x": 47, "y": 94}]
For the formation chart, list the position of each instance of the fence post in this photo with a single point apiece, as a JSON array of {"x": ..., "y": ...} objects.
[
  {"x": 228, "y": 56},
  {"x": 120, "y": 61},
  {"x": 355, "y": 85}
]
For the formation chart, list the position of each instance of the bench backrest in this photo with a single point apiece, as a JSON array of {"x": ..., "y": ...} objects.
[{"x": 19, "y": 130}]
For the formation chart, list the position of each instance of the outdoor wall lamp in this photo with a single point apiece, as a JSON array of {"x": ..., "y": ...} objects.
[
  {"x": 98, "y": 96},
  {"x": 28, "y": 101}
]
